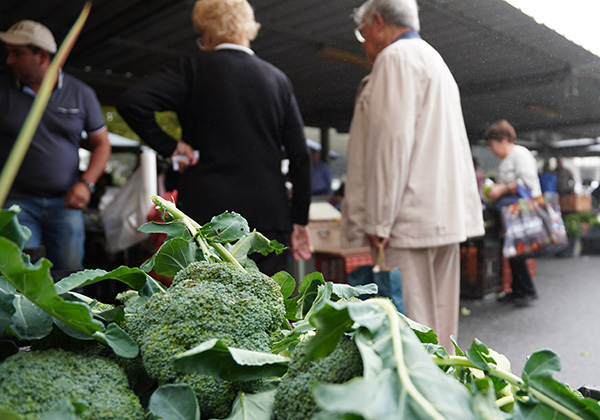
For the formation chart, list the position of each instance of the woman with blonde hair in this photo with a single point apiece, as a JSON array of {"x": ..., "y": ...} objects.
[
  {"x": 225, "y": 21},
  {"x": 241, "y": 114}
]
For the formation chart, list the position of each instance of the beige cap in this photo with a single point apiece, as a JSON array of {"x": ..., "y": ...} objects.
[{"x": 29, "y": 32}]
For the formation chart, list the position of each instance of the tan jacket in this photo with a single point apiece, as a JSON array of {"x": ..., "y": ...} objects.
[{"x": 410, "y": 169}]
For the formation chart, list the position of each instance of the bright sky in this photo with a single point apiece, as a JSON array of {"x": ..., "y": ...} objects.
[{"x": 576, "y": 20}]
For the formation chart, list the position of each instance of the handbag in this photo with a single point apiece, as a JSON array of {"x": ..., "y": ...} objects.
[
  {"x": 388, "y": 280},
  {"x": 532, "y": 226}
]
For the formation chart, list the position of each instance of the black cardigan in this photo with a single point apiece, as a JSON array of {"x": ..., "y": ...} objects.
[{"x": 240, "y": 112}]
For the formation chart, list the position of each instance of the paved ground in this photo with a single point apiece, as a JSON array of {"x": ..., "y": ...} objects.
[{"x": 565, "y": 318}]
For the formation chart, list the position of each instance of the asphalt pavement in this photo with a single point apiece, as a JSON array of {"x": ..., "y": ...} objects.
[{"x": 565, "y": 318}]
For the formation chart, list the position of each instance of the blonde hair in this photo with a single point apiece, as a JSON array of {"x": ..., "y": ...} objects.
[{"x": 228, "y": 20}]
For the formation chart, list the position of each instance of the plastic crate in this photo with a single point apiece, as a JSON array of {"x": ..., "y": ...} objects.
[
  {"x": 480, "y": 268},
  {"x": 335, "y": 268}
]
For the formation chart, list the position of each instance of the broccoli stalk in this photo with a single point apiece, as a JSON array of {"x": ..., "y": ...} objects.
[
  {"x": 509, "y": 377},
  {"x": 195, "y": 231}
]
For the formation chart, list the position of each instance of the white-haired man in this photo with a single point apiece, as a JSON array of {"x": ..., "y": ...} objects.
[
  {"x": 48, "y": 187},
  {"x": 411, "y": 184}
]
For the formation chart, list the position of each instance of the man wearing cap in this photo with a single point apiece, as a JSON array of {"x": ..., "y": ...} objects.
[{"x": 49, "y": 188}]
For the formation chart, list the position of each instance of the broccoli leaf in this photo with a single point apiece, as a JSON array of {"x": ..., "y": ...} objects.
[
  {"x": 345, "y": 291},
  {"x": 254, "y": 242},
  {"x": 173, "y": 229},
  {"x": 7, "y": 308},
  {"x": 71, "y": 332},
  {"x": 29, "y": 322},
  {"x": 286, "y": 282},
  {"x": 10, "y": 227},
  {"x": 175, "y": 402},
  {"x": 331, "y": 291},
  {"x": 118, "y": 340},
  {"x": 36, "y": 283},
  {"x": 331, "y": 323},
  {"x": 298, "y": 307},
  {"x": 391, "y": 388},
  {"x": 214, "y": 358},
  {"x": 133, "y": 277},
  {"x": 553, "y": 399},
  {"x": 291, "y": 339},
  {"x": 173, "y": 255},
  {"x": 226, "y": 227},
  {"x": 423, "y": 332},
  {"x": 253, "y": 406},
  {"x": 150, "y": 288},
  {"x": 478, "y": 354},
  {"x": 63, "y": 410},
  {"x": 215, "y": 238}
]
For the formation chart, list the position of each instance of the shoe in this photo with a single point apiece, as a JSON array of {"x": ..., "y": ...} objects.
[
  {"x": 507, "y": 298},
  {"x": 524, "y": 300}
]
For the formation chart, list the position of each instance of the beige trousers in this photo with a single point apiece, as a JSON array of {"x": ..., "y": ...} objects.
[{"x": 430, "y": 287}]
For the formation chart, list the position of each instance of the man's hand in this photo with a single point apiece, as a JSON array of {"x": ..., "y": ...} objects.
[
  {"x": 377, "y": 241},
  {"x": 78, "y": 196},
  {"x": 300, "y": 243},
  {"x": 184, "y": 149}
]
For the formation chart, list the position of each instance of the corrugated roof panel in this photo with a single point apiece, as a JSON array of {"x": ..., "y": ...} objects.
[{"x": 502, "y": 59}]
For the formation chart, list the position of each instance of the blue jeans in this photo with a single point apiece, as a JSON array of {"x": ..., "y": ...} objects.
[{"x": 59, "y": 229}]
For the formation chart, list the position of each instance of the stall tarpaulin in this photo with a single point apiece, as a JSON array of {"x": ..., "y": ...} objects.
[{"x": 129, "y": 209}]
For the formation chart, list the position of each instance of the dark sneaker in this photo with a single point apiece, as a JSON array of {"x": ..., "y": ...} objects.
[
  {"x": 524, "y": 300},
  {"x": 507, "y": 298}
]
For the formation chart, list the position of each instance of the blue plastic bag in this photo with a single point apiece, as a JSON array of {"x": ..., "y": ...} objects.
[{"x": 388, "y": 281}]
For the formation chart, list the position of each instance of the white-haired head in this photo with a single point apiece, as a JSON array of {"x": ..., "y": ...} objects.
[{"x": 393, "y": 12}]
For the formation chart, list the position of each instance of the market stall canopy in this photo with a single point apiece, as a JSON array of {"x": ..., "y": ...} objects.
[{"x": 506, "y": 64}]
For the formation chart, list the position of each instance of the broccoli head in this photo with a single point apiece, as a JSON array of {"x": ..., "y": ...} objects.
[
  {"x": 294, "y": 398},
  {"x": 206, "y": 301},
  {"x": 33, "y": 382},
  {"x": 133, "y": 368}
]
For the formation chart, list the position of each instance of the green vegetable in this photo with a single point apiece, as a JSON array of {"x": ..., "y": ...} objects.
[
  {"x": 578, "y": 223},
  {"x": 219, "y": 341},
  {"x": 294, "y": 398},
  {"x": 227, "y": 238},
  {"x": 206, "y": 301},
  {"x": 33, "y": 383}
]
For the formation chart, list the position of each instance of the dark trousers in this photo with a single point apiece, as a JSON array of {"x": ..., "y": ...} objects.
[{"x": 522, "y": 285}]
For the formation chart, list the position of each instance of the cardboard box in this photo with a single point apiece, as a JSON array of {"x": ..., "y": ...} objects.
[
  {"x": 574, "y": 202},
  {"x": 325, "y": 232},
  {"x": 325, "y": 235}
]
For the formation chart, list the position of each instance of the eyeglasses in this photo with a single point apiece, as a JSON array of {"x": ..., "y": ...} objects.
[{"x": 358, "y": 33}]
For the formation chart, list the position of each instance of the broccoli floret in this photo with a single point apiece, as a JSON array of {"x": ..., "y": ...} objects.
[
  {"x": 33, "y": 382},
  {"x": 206, "y": 301},
  {"x": 294, "y": 398},
  {"x": 133, "y": 368}
]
